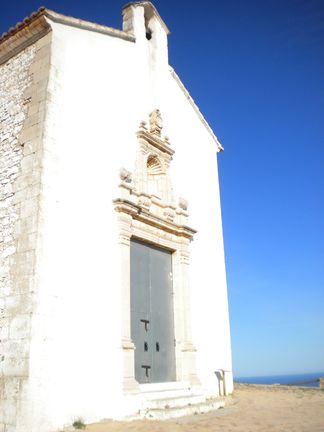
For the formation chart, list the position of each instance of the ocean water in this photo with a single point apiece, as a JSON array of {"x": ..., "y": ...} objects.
[{"x": 305, "y": 380}]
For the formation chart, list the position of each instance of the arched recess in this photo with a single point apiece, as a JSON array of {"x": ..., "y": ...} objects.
[{"x": 156, "y": 177}]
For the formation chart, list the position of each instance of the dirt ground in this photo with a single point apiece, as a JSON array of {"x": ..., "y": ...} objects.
[{"x": 252, "y": 408}]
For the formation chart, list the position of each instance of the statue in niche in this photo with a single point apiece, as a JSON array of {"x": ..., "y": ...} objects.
[{"x": 156, "y": 123}]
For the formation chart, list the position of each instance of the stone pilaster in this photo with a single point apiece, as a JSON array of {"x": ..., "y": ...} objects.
[{"x": 129, "y": 383}]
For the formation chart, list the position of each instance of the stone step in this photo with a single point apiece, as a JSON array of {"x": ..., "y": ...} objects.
[
  {"x": 166, "y": 386},
  {"x": 166, "y": 390},
  {"x": 181, "y": 400},
  {"x": 180, "y": 411},
  {"x": 164, "y": 401}
]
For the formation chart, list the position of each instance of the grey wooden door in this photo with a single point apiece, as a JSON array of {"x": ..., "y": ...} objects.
[{"x": 152, "y": 324}]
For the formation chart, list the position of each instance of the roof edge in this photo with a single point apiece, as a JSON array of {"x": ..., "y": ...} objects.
[
  {"x": 37, "y": 25},
  {"x": 195, "y": 107},
  {"x": 87, "y": 25},
  {"x": 23, "y": 34}
]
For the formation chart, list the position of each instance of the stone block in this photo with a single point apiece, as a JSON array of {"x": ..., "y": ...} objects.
[
  {"x": 19, "y": 304},
  {"x": 23, "y": 264},
  {"x": 24, "y": 180},
  {"x": 29, "y": 207},
  {"x": 31, "y": 146},
  {"x": 4, "y": 332},
  {"x": 20, "y": 196},
  {"x": 15, "y": 348},
  {"x": 32, "y": 120},
  {"x": 23, "y": 195},
  {"x": 33, "y": 108},
  {"x": 13, "y": 367},
  {"x": 2, "y": 392},
  {"x": 19, "y": 327},
  {"x": 29, "y": 134},
  {"x": 26, "y": 242},
  {"x": 27, "y": 163},
  {"x": 10, "y": 413},
  {"x": 11, "y": 388},
  {"x": 8, "y": 251},
  {"x": 44, "y": 41},
  {"x": 27, "y": 224},
  {"x": 10, "y": 428},
  {"x": 42, "y": 51},
  {"x": 24, "y": 284}
]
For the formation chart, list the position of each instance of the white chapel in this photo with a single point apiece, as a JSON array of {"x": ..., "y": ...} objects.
[{"x": 113, "y": 297}]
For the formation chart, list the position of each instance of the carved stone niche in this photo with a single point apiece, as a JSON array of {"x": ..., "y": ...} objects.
[{"x": 147, "y": 210}]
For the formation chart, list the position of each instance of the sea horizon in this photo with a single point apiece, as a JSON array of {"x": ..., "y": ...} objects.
[{"x": 302, "y": 379}]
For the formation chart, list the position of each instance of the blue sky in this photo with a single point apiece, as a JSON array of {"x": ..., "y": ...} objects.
[{"x": 256, "y": 70}]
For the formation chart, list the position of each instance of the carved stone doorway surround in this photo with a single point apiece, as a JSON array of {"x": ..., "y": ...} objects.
[{"x": 147, "y": 211}]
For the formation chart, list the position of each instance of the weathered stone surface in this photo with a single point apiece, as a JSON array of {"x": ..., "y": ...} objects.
[{"x": 20, "y": 155}]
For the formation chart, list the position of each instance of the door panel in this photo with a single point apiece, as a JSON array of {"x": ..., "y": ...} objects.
[
  {"x": 152, "y": 324},
  {"x": 162, "y": 315},
  {"x": 140, "y": 310}
]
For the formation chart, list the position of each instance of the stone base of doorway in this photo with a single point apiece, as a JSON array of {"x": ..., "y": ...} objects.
[{"x": 171, "y": 400}]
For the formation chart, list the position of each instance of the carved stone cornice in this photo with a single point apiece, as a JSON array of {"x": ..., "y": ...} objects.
[
  {"x": 155, "y": 141},
  {"x": 23, "y": 35},
  {"x": 140, "y": 214}
]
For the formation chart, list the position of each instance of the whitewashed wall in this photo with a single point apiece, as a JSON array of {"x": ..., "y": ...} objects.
[{"x": 100, "y": 88}]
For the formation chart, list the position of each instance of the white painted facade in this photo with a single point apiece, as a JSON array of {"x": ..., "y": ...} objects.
[{"x": 101, "y": 84}]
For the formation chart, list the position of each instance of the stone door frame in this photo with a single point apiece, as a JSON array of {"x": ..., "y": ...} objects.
[
  {"x": 146, "y": 210},
  {"x": 132, "y": 226}
]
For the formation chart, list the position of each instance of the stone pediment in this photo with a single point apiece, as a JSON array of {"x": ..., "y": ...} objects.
[{"x": 154, "y": 141}]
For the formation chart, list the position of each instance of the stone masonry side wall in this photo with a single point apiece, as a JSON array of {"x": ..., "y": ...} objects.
[{"x": 23, "y": 93}]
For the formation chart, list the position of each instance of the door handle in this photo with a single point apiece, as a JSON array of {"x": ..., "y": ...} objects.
[
  {"x": 147, "y": 368},
  {"x": 157, "y": 346},
  {"x": 146, "y": 323}
]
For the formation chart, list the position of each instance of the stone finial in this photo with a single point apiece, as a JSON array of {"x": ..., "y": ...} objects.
[
  {"x": 125, "y": 176},
  {"x": 143, "y": 125},
  {"x": 156, "y": 123},
  {"x": 183, "y": 204}
]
